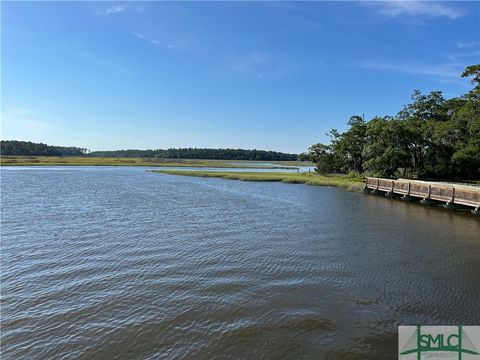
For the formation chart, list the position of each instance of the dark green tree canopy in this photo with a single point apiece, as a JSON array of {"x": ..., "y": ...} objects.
[
  {"x": 37, "y": 149},
  {"x": 27, "y": 148},
  {"x": 430, "y": 137}
]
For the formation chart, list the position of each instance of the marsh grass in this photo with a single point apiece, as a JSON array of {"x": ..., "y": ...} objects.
[
  {"x": 129, "y": 161},
  {"x": 350, "y": 182}
]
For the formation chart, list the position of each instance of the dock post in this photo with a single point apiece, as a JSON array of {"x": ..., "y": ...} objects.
[
  {"x": 407, "y": 196},
  {"x": 426, "y": 199},
  {"x": 450, "y": 204},
  {"x": 390, "y": 193},
  {"x": 366, "y": 189},
  {"x": 376, "y": 187}
]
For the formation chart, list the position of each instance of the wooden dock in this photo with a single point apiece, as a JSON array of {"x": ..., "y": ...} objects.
[{"x": 428, "y": 192}]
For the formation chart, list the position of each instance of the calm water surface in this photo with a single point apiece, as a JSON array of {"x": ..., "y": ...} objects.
[{"x": 102, "y": 263}]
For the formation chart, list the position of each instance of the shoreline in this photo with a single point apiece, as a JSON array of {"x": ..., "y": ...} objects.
[
  {"x": 12, "y": 160},
  {"x": 353, "y": 183}
]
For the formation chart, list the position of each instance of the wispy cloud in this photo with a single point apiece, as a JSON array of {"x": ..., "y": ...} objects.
[
  {"x": 416, "y": 8},
  {"x": 469, "y": 51},
  {"x": 445, "y": 72},
  {"x": 115, "y": 9},
  {"x": 463, "y": 56},
  {"x": 152, "y": 41},
  {"x": 467, "y": 44},
  {"x": 143, "y": 37},
  {"x": 129, "y": 7},
  {"x": 106, "y": 64}
]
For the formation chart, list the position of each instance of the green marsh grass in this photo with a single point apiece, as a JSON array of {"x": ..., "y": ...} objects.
[
  {"x": 131, "y": 161},
  {"x": 350, "y": 182}
]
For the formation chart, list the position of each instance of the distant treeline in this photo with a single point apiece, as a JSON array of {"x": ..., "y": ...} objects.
[
  {"x": 27, "y": 148},
  {"x": 193, "y": 153},
  {"x": 432, "y": 137}
]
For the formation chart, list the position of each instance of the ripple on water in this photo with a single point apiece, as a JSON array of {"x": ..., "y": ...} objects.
[{"x": 120, "y": 263}]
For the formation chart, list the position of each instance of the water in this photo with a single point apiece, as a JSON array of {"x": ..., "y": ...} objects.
[
  {"x": 254, "y": 168},
  {"x": 258, "y": 163},
  {"x": 277, "y": 166},
  {"x": 102, "y": 263}
]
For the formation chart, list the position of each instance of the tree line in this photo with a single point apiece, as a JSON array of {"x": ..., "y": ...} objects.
[
  {"x": 27, "y": 148},
  {"x": 206, "y": 154},
  {"x": 432, "y": 137}
]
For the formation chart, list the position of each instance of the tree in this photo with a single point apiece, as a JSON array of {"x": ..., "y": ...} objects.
[
  {"x": 430, "y": 137},
  {"x": 386, "y": 152},
  {"x": 347, "y": 147},
  {"x": 473, "y": 70},
  {"x": 321, "y": 155}
]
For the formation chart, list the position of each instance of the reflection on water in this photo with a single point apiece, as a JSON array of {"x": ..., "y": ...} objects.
[{"x": 102, "y": 263}]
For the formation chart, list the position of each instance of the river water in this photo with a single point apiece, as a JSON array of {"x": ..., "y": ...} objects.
[{"x": 120, "y": 263}]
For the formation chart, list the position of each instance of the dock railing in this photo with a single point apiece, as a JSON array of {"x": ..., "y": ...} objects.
[{"x": 451, "y": 194}]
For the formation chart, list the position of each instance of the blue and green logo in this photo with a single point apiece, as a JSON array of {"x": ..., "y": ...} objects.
[{"x": 439, "y": 339}]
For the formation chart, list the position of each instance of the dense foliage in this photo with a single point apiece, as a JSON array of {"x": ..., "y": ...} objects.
[
  {"x": 192, "y": 153},
  {"x": 431, "y": 137},
  {"x": 27, "y": 148}
]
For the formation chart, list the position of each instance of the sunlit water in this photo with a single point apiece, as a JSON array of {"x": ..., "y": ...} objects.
[{"x": 105, "y": 263}]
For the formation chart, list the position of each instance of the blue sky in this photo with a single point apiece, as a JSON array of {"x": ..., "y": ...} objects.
[{"x": 265, "y": 75}]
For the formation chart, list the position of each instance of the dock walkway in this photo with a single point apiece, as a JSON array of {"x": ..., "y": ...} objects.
[{"x": 450, "y": 194}]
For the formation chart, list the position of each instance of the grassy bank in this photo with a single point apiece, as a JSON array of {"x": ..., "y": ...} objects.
[
  {"x": 348, "y": 182},
  {"x": 132, "y": 161}
]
